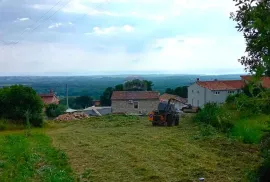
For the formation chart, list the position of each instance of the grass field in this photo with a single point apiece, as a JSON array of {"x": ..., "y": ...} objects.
[
  {"x": 32, "y": 158},
  {"x": 125, "y": 148}
]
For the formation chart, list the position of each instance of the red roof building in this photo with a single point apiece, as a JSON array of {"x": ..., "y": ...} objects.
[
  {"x": 202, "y": 92},
  {"x": 134, "y": 95},
  {"x": 222, "y": 84},
  {"x": 265, "y": 81},
  {"x": 49, "y": 98}
]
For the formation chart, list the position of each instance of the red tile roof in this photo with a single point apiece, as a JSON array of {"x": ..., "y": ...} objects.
[
  {"x": 49, "y": 98},
  {"x": 171, "y": 96},
  {"x": 222, "y": 84},
  {"x": 265, "y": 80},
  {"x": 133, "y": 95}
]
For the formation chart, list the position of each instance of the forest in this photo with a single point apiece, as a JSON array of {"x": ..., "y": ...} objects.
[{"x": 94, "y": 86}]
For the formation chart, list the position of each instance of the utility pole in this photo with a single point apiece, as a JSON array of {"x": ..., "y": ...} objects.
[{"x": 67, "y": 94}]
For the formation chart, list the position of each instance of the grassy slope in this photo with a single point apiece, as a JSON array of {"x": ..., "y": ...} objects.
[
  {"x": 31, "y": 158},
  {"x": 130, "y": 149}
]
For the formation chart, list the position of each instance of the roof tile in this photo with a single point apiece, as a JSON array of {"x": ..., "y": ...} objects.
[
  {"x": 130, "y": 95},
  {"x": 222, "y": 84}
]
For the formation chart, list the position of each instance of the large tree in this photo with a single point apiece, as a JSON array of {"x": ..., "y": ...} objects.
[
  {"x": 17, "y": 100},
  {"x": 253, "y": 20}
]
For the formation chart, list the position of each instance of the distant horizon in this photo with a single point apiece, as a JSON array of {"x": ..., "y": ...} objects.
[{"x": 115, "y": 74}]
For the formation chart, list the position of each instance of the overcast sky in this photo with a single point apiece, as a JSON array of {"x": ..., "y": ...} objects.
[{"x": 108, "y": 36}]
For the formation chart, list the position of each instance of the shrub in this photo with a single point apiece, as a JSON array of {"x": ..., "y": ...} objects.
[
  {"x": 54, "y": 110},
  {"x": 16, "y": 100},
  {"x": 250, "y": 130},
  {"x": 231, "y": 98},
  {"x": 215, "y": 116},
  {"x": 263, "y": 172}
]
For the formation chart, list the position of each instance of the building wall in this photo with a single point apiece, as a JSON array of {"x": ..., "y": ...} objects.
[
  {"x": 218, "y": 98},
  {"x": 145, "y": 106},
  {"x": 197, "y": 96}
]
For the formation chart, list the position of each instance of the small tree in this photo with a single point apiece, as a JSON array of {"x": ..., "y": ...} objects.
[{"x": 54, "y": 110}]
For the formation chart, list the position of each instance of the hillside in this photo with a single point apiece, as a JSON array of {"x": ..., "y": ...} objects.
[{"x": 95, "y": 85}]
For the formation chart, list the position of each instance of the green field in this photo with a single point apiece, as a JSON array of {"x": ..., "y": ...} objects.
[
  {"x": 24, "y": 159},
  {"x": 123, "y": 148}
]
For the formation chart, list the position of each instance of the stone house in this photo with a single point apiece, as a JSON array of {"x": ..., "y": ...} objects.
[
  {"x": 178, "y": 102},
  {"x": 202, "y": 92},
  {"x": 134, "y": 102}
]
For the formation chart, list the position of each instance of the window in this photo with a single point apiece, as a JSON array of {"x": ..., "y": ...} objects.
[
  {"x": 136, "y": 104},
  {"x": 231, "y": 92},
  {"x": 216, "y": 92}
]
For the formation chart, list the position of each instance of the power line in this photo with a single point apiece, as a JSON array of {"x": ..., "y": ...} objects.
[
  {"x": 45, "y": 20},
  {"x": 40, "y": 18}
]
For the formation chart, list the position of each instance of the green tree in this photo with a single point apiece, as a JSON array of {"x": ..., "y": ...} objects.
[
  {"x": 138, "y": 85},
  {"x": 253, "y": 19},
  {"x": 54, "y": 110},
  {"x": 119, "y": 87},
  {"x": 17, "y": 100},
  {"x": 82, "y": 102},
  {"x": 169, "y": 91},
  {"x": 105, "y": 98},
  {"x": 149, "y": 85},
  {"x": 180, "y": 91}
]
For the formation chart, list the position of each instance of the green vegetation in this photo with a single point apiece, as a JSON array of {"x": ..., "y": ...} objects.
[
  {"x": 180, "y": 91},
  {"x": 133, "y": 85},
  {"x": 127, "y": 148},
  {"x": 252, "y": 18},
  {"x": 54, "y": 110},
  {"x": 244, "y": 117},
  {"x": 80, "y": 102},
  {"x": 251, "y": 130},
  {"x": 31, "y": 159},
  {"x": 17, "y": 100}
]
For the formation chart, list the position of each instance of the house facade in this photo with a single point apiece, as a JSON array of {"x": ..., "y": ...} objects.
[
  {"x": 202, "y": 92},
  {"x": 49, "y": 98},
  {"x": 134, "y": 102},
  {"x": 178, "y": 102}
]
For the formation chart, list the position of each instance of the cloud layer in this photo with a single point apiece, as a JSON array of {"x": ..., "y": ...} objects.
[{"x": 180, "y": 36}]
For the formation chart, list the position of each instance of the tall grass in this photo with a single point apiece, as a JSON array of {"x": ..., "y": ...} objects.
[{"x": 250, "y": 130}]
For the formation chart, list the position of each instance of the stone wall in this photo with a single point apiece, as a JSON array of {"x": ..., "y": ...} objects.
[{"x": 145, "y": 106}]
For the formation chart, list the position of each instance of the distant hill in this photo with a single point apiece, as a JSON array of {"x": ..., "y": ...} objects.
[{"x": 95, "y": 85}]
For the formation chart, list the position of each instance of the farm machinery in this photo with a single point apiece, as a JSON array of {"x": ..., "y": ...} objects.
[{"x": 165, "y": 115}]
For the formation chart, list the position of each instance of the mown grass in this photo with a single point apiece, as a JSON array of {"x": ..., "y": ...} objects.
[
  {"x": 32, "y": 158},
  {"x": 127, "y": 148}
]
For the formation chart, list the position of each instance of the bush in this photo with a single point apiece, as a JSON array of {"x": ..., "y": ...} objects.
[
  {"x": 263, "y": 172},
  {"x": 16, "y": 100},
  {"x": 54, "y": 110},
  {"x": 250, "y": 130},
  {"x": 216, "y": 116}
]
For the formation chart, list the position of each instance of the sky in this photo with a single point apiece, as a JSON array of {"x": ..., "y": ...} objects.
[{"x": 87, "y": 37}]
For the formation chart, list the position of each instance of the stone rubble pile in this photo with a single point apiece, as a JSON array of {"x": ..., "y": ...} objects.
[{"x": 71, "y": 116}]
